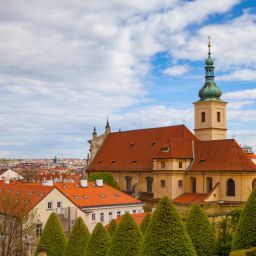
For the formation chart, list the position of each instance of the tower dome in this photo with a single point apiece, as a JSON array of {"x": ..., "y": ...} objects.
[{"x": 210, "y": 91}]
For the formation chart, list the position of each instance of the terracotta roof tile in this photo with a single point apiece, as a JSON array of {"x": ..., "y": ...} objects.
[
  {"x": 138, "y": 217},
  {"x": 190, "y": 198},
  {"x": 220, "y": 155},
  {"x": 93, "y": 196},
  {"x": 134, "y": 150}
]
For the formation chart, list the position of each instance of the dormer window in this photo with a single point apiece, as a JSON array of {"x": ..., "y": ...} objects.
[
  {"x": 165, "y": 149},
  {"x": 134, "y": 161},
  {"x": 131, "y": 144},
  {"x": 153, "y": 143},
  {"x": 202, "y": 160},
  {"x": 76, "y": 197},
  {"x": 113, "y": 161}
]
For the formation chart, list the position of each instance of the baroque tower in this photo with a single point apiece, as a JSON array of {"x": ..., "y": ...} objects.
[{"x": 210, "y": 109}]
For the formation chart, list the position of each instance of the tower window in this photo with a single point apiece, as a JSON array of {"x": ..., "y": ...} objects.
[
  {"x": 180, "y": 164},
  {"x": 203, "y": 117},
  {"x": 162, "y": 164},
  {"x": 162, "y": 182},
  {"x": 218, "y": 116}
]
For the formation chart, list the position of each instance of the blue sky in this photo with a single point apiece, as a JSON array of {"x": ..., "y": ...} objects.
[{"x": 65, "y": 66}]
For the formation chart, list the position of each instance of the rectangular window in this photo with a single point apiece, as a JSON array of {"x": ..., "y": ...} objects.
[
  {"x": 49, "y": 205},
  {"x": 134, "y": 211},
  {"x": 58, "y": 204},
  {"x": 162, "y": 164},
  {"x": 102, "y": 216},
  {"x": 118, "y": 214},
  {"x": 162, "y": 183},
  {"x": 110, "y": 215},
  {"x": 180, "y": 183},
  {"x": 180, "y": 164},
  {"x": 93, "y": 216},
  {"x": 202, "y": 117},
  {"x": 218, "y": 117},
  {"x": 39, "y": 229}
]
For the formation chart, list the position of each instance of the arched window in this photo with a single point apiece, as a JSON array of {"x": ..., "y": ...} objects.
[
  {"x": 231, "y": 187},
  {"x": 254, "y": 184},
  {"x": 128, "y": 180},
  {"x": 193, "y": 184},
  {"x": 149, "y": 181},
  {"x": 209, "y": 184}
]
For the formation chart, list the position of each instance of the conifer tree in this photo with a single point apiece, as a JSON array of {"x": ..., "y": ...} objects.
[
  {"x": 245, "y": 234},
  {"x": 127, "y": 239},
  {"x": 144, "y": 223},
  {"x": 78, "y": 239},
  {"x": 99, "y": 242},
  {"x": 112, "y": 227},
  {"x": 166, "y": 234},
  {"x": 53, "y": 238},
  {"x": 201, "y": 232}
]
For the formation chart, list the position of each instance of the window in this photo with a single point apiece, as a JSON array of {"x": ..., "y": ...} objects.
[
  {"x": 254, "y": 184},
  {"x": 218, "y": 117},
  {"x": 39, "y": 229},
  {"x": 102, "y": 216},
  {"x": 180, "y": 183},
  {"x": 209, "y": 184},
  {"x": 149, "y": 181},
  {"x": 202, "y": 117},
  {"x": 165, "y": 149},
  {"x": 180, "y": 164},
  {"x": 118, "y": 214},
  {"x": 110, "y": 215},
  {"x": 193, "y": 184},
  {"x": 58, "y": 204},
  {"x": 134, "y": 211},
  {"x": 231, "y": 187},
  {"x": 128, "y": 180},
  {"x": 93, "y": 216},
  {"x": 49, "y": 205},
  {"x": 162, "y": 164},
  {"x": 162, "y": 183}
]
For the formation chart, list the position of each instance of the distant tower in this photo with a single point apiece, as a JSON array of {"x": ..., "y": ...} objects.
[
  {"x": 210, "y": 110},
  {"x": 107, "y": 128}
]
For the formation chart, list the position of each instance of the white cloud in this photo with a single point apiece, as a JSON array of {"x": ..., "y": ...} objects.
[
  {"x": 177, "y": 70},
  {"x": 242, "y": 75},
  {"x": 249, "y": 94}
]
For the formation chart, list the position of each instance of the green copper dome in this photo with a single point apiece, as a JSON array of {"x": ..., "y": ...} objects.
[{"x": 210, "y": 90}]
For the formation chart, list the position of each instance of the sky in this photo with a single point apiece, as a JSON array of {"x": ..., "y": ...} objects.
[{"x": 67, "y": 65}]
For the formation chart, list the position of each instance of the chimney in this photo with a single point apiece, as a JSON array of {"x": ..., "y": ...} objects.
[
  {"x": 99, "y": 182},
  {"x": 83, "y": 183}
]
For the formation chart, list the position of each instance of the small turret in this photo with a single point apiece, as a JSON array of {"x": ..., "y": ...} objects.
[
  {"x": 94, "y": 134},
  {"x": 107, "y": 128}
]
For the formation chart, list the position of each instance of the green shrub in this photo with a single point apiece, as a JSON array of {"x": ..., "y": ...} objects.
[
  {"x": 201, "y": 232},
  {"x": 78, "y": 239},
  {"x": 107, "y": 178},
  {"x": 53, "y": 238},
  {"x": 127, "y": 239},
  {"x": 144, "y": 223},
  {"x": 112, "y": 227},
  {"x": 166, "y": 233},
  {"x": 99, "y": 242},
  {"x": 245, "y": 234}
]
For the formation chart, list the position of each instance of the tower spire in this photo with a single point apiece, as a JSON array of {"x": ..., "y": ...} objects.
[
  {"x": 210, "y": 90},
  {"x": 107, "y": 128}
]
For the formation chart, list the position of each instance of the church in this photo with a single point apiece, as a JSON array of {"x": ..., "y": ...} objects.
[{"x": 200, "y": 167}]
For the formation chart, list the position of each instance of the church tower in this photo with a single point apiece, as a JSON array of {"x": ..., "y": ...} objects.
[{"x": 210, "y": 109}]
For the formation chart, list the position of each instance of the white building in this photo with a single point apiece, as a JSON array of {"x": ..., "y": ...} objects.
[{"x": 10, "y": 175}]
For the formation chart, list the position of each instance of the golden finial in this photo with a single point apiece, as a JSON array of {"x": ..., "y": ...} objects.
[{"x": 209, "y": 44}]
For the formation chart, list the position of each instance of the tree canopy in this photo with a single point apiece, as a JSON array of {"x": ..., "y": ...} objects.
[
  {"x": 112, "y": 227},
  {"x": 127, "y": 239},
  {"x": 201, "y": 232},
  {"x": 144, "y": 223},
  {"x": 78, "y": 239},
  {"x": 166, "y": 233},
  {"x": 108, "y": 178},
  {"x": 53, "y": 238},
  {"x": 99, "y": 242}
]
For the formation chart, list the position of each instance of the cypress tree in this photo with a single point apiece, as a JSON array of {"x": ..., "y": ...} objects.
[
  {"x": 78, "y": 239},
  {"x": 245, "y": 234},
  {"x": 201, "y": 232},
  {"x": 112, "y": 227},
  {"x": 99, "y": 242},
  {"x": 53, "y": 238},
  {"x": 127, "y": 239},
  {"x": 166, "y": 234},
  {"x": 144, "y": 223}
]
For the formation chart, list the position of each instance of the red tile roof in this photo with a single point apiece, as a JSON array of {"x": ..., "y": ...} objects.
[
  {"x": 134, "y": 150},
  {"x": 33, "y": 192},
  {"x": 190, "y": 198},
  {"x": 220, "y": 155},
  {"x": 93, "y": 196}
]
